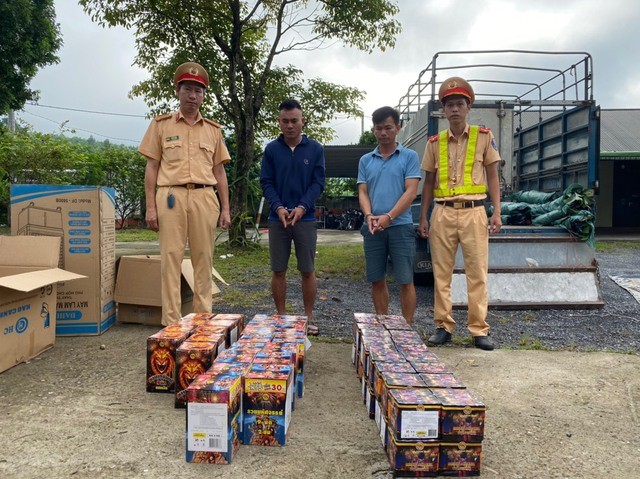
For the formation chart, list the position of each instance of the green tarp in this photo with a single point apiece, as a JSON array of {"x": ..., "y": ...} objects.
[{"x": 572, "y": 210}]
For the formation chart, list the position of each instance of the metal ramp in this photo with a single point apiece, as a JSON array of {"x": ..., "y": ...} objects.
[{"x": 535, "y": 268}]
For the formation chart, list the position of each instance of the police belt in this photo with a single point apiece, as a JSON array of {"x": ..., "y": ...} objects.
[
  {"x": 192, "y": 186},
  {"x": 461, "y": 204}
]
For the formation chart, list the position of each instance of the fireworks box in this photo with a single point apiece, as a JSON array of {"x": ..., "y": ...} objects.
[
  {"x": 210, "y": 335},
  {"x": 358, "y": 320},
  {"x": 380, "y": 354},
  {"x": 460, "y": 459},
  {"x": 235, "y": 323},
  {"x": 83, "y": 217},
  {"x": 161, "y": 358},
  {"x": 28, "y": 277},
  {"x": 391, "y": 321},
  {"x": 210, "y": 449},
  {"x": 414, "y": 415},
  {"x": 381, "y": 366},
  {"x": 413, "y": 459},
  {"x": 462, "y": 417},
  {"x": 397, "y": 381},
  {"x": 444, "y": 380},
  {"x": 193, "y": 358},
  {"x": 431, "y": 367},
  {"x": 267, "y": 405},
  {"x": 214, "y": 415}
]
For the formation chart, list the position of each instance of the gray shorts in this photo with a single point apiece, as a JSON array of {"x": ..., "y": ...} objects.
[
  {"x": 397, "y": 243},
  {"x": 304, "y": 236}
]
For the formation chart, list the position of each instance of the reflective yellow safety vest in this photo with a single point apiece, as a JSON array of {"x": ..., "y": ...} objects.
[{"x": 467, "y": 186}]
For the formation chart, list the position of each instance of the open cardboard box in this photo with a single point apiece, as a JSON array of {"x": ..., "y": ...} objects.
[
  {"x": 29, "y": 275},
  {"x": 139, "y": 293}
]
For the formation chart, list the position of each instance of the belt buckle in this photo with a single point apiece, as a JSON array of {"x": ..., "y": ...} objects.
[
  {"x": 458, "y": 205},
  {"x": 191, "y": 186}
]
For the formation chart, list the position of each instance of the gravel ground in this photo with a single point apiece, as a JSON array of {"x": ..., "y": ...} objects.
[{"x": 616, "y": 327}]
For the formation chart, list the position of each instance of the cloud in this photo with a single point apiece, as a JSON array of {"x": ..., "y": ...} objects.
[{"x": 95, "y": 71}]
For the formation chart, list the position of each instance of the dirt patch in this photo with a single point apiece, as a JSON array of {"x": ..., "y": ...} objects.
[{"x": 80, "y": 411}]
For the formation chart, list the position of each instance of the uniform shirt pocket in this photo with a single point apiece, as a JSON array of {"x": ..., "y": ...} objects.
[
  {"x": 477, "y": 173},
  {"x": 172, "y": 151},
  {"x": 208, "y": 151}
]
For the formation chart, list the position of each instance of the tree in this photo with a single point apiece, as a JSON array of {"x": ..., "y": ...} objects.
[
  {"x": 238, "y": 42},
  {"x": 29, "y": 39},
  {"x": 367, "y": 138}
]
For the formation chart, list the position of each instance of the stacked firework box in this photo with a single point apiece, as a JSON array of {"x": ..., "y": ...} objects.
[
  {"x": 430, "y": 424},
  {"x": 238, "y": 386}
]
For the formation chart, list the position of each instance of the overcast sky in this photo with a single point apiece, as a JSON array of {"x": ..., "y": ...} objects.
[{"x": 96, "y": 73}]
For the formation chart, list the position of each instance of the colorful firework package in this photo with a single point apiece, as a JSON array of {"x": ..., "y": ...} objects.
[
  {"x": 214, "y": 418},
  {"x": 161, "y": 359},
  {"x": 267, "y": 403},
  {"x": 430, "y": 424}
]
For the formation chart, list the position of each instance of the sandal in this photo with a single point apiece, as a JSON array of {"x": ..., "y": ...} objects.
[{"x": 312, "y": 330}]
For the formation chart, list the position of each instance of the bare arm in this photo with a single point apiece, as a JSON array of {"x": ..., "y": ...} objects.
[
  {"x": 365, "y": 207},
  {"x": 425, "y": 202},
  {"x": 223, "y": 194},
  {"x": 493, "y": 185},
  {"x": 150, "y": 181}
]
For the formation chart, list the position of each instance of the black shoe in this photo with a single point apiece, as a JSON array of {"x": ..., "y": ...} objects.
[
  {"x": 483, "y": 342},
  {"x": 440, "y": 337}
]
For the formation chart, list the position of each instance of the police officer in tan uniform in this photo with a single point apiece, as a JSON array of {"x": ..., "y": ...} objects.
[
  {"x": 185, "y": 160},
  {"x": 461, "y": 166}
]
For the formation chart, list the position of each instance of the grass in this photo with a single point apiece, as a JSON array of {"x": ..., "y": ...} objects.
[
  {"x": 527, "y": 343},
  {"x": 251, "y": 267},
  {"x": 610, "y": 246},
  {"x": 135, "y": 234}
]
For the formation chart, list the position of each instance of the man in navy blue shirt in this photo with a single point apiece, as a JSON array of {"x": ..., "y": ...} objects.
[
  {"x": 388, "y": 180},
  {"x": 292, "y": 178}
]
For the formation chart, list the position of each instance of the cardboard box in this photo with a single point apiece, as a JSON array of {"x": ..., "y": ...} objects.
[
  {"x": 267, "y": 404},
  {"x": 214, "y": 416},
  {"x": 462, "y": 417},
  {"x": 193, "y": 358},
  {"x": 138, "y": 289},
  {"x": 414, "y": 415},
  {"x": 28, "y": 277},
  {"x": 161, "y": 358},
  {"x": 460, "y": 459},
  {"x": 413, "y": 459},
  {"x": 84, "y": 218}
]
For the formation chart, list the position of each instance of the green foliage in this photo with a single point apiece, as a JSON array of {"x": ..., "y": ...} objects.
[
  {"x": 29, "y": 39},
  {"x": 336, "y": 187},
  {"x": 29, "y": 157},
  {"x": 368, "y": 139},
  {"x": 238, "y": 41}
]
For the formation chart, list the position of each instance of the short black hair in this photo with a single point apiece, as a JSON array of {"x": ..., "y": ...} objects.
[
  {"x": 381, "y": 114},
  {"x": 452, "y": 97},
  {"x": 289, "y": 104}
]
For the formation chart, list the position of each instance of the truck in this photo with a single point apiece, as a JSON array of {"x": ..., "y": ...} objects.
[{"x": 541, "y": 110}]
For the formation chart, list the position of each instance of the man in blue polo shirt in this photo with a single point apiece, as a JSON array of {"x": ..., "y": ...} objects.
[
  {"x": 292, "y": 178},
  {"x": 388, "y": 180}
]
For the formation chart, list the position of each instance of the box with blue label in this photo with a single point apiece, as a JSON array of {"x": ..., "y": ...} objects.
[
  {"x": 28, "y": 285},
  {"x": 83, "y": 217}
]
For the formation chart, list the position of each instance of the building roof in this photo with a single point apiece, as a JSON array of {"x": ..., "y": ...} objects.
[{"x": 620, "y": 130}]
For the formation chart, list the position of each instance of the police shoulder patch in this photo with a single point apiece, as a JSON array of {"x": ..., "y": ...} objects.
[
  {"x": 162, "y": 117},
  {"x": 433, "y": 138},
  {"x": 484, "y": 129},
  {"x": 211, "y": 122}
]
